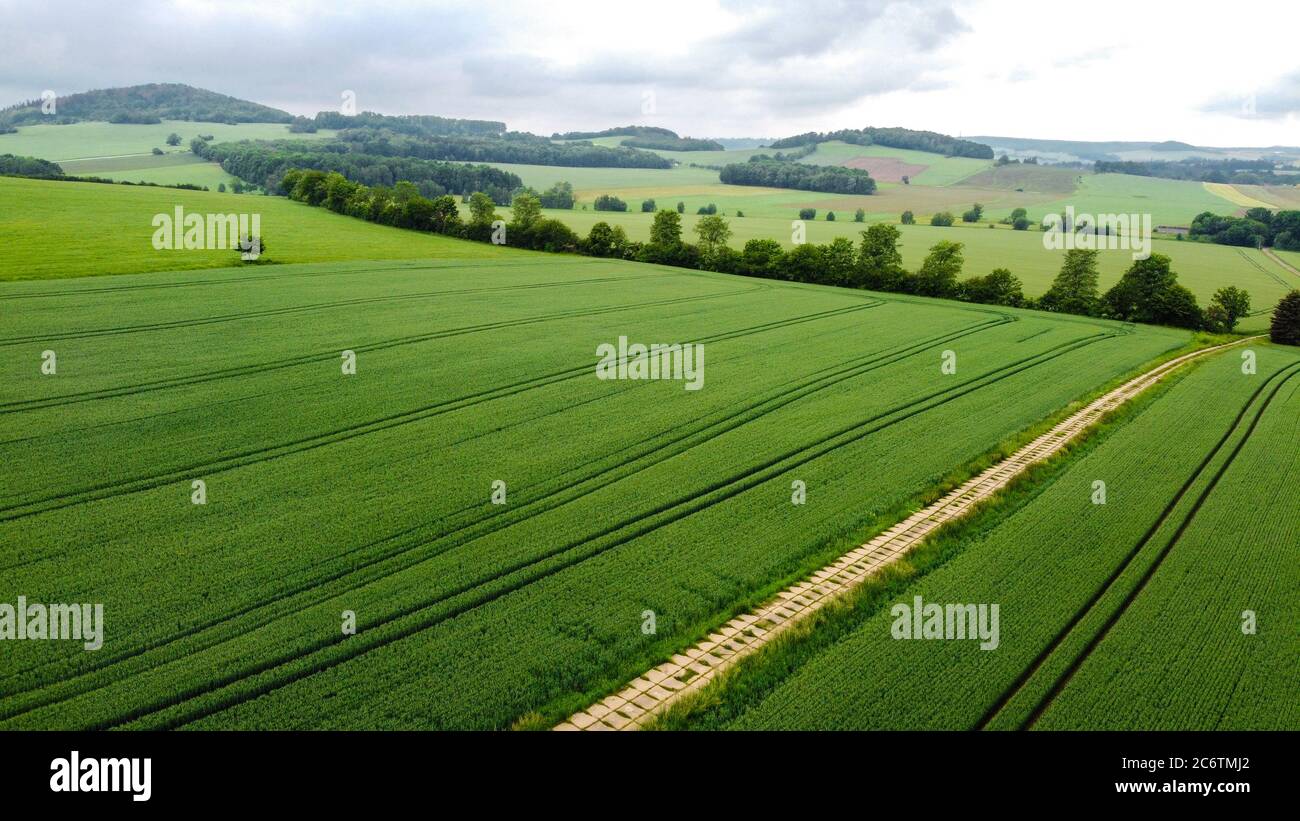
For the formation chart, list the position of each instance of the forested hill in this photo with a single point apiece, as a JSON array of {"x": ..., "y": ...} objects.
[
  {"x": 894, "y": 138},
  {"x": 145, "y": 104}
]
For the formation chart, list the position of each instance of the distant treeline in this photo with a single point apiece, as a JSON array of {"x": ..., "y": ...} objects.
[
  {"x": 646, "y": 136},
  {"x": 1240, "y": 172},
  {"x": 512, "y": 147},
  {"x": 1147, "y": 292},
  {"x": 1260, "y": 227},
  {"x": 894, "y": 138},
  {"x": 12, "y": 165},
  {"x": 773, "y": 173},
  {"x": 412, "y": 125},
  {"x": 265, "y": 162},
  {"x": 145, "y": 104},
  {"x": 15, "y": 166}
]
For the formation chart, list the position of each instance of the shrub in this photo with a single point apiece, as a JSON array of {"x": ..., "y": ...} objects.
[
  {"x": 1285, "y": 329},
  {"x": 609, "y": 202},
  {"x": 942, "y": 219},
  {"x": 807, "y": 213}
]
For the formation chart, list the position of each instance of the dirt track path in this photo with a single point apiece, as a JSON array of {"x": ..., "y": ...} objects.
[{"x": 661, "y": 686}]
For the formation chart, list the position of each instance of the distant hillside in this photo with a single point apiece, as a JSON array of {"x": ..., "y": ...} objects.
[
  {"x": 893, "y": 138},
  {"x": 1083, "y": 151},
  {"x": 646, "y": 136},
  {"x": 145, "y": 104}
]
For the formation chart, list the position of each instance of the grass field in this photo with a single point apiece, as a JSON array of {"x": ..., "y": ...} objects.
[
  {"x": 370, "y": 493},
  {"x": 66, "y": 229},
  {"x": 99, "y": 140},
  {"x": 1126, "y": 615}
]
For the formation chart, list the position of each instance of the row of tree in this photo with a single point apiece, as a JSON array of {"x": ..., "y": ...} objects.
[
  {"x": 763, "y": 170},
  {"x": 930, "y": 141},
  {"x": 1239, "y": 172},
  {"x": 1259, "y": 228},
  {"x": 264, "y": 163},
  {"x": 1147, "y": 292},
  {"x": 511, "y": 147}
]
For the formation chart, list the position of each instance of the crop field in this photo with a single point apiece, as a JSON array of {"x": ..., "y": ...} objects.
[
  {"x": 371, "y": 493},
  {"x": 1125, "y": 615}
]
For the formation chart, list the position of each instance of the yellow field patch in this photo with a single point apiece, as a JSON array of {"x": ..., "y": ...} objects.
[{"x": 1232, "y": 195}]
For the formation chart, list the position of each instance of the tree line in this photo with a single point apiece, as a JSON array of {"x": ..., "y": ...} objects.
[
  {"x": 763, "y": 170},
  {"x": 264, "y": 163},
  {"x": 511, "y": 147},
  {"x": 1240, "y": 172},
  {"x": 150, "y": 103},
  {"x": 1147, "y": 292}
]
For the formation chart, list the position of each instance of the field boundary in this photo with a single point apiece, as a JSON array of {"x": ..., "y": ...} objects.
[{"x": 654, "y": 691}]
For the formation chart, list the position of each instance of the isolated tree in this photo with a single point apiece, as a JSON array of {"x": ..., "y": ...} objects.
[
  {"x": 938, "y": 274},
  {"x": 647, "y": 206},
  {"x": 560, "y": 195},
  {"x": 156, "y": 151},
  {"x": 713, "y": 232},
  {"x": 908, "y": 218},
  {"x": 1285, "y": 329},
  {"x": 807, "y": 213},
  {"x": 1074, "y": 291},
  {"x": 1234, "y": 302},
  {"x": 830, "y": 216},
  {"x": 906, "y": 180},
  {"x": 974, "y": 214},
  {"x": 681, "y": 208},
  {"x": 859, "y": 215},
  {"x": 942, "y": 219},
  {"x": 880, "y": 264},
  {"x": 173, "y": 139}
]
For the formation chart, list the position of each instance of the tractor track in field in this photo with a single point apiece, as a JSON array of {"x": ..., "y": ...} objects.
[
  {"x": 412, "y": 618},
  {"x": 1082, "y": 656},
  {"x": 332, "y": 355},
  {"x": 1007, "y": 695},
  {"x": 1271, "y": 254},
  {"x": 1258, "y": 267},
  {"x": 653, "y": 450},
  {"x": 659, "y": 688},
  {"x": 235, "y": 280},
  {"x": 105, "y": 490},
  {"x": 195, "y": 322}
]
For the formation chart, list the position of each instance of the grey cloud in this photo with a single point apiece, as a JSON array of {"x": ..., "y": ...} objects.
[{"x": 806, "y": 59}]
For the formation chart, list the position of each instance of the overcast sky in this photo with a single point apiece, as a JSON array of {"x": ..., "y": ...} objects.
[{"x": 1110, "y": 69}]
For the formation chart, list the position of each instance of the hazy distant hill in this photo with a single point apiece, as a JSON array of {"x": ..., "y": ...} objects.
[
  {"x": 145, "y": 104},
  {"x": 1135, "y": 151}
]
